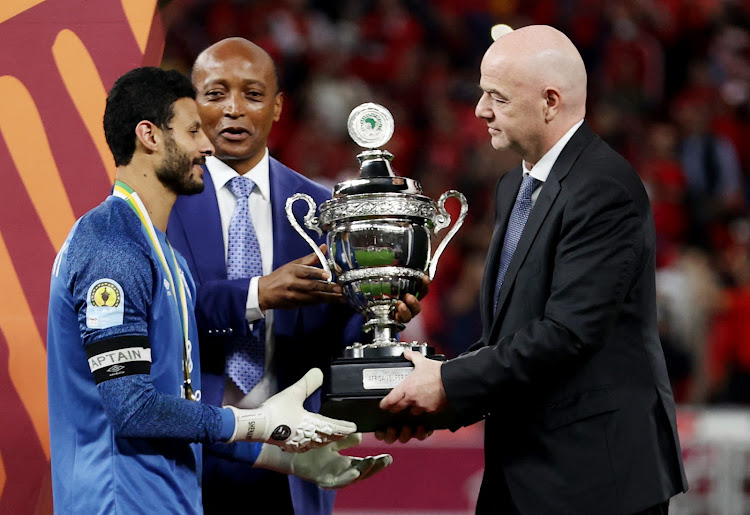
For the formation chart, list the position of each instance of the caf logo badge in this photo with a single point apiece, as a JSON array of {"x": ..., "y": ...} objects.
[
  {"x": 105, "y": 304},
  {"x": 105, "y": 294}
]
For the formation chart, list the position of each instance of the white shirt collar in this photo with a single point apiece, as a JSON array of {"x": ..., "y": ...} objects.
[
  {"x": 542, "y": 169},
  {"x": 222, "y": 173}
]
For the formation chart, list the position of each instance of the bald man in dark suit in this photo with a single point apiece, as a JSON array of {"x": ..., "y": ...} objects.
[{"x": 569, "y": 374}]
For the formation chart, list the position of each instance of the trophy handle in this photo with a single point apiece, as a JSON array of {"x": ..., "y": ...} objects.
[
  {"x": 442, "y": 220},
  {"x": 311, "y": 222}
]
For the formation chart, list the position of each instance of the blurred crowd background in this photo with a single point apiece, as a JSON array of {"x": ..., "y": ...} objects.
[{"x": 669, "y": 88}]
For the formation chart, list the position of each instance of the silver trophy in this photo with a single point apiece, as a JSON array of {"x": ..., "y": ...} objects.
[{"x": 379, "y": 229}]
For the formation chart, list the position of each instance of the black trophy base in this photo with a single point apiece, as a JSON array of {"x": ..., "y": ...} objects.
[{"x": 355, "y": 386}]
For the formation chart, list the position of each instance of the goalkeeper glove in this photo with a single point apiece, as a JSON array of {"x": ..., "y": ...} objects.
[
  {"x": 324, "y": 465},
  {"x": 282, "y": 421}
]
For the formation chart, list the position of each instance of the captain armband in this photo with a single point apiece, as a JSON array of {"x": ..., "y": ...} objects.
[{"x": 118, "y": 357}]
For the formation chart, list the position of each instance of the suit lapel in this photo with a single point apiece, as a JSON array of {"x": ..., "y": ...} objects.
[
  {"x": 201, "y": 222},
  {"x": 541, "y": 208},
  {"x": 505, "y": 196},
  {"x": 286, "y": 241},
  {"x": 543, "y": 203}
]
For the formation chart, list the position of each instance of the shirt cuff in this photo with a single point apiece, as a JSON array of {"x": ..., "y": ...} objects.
[
  {"x": 227, "y": 424},
  {"x": 252, "y": 307}
]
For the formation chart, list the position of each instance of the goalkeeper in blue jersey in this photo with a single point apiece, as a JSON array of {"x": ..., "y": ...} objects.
[{"x": 126, "y": 423}]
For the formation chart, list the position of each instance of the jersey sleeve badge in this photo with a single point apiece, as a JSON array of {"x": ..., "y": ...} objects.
[{"x": 105, "y": 304}]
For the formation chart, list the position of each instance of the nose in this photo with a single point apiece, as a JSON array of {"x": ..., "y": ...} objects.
[
  {"x": 207, "y": 149},
  {"x": 483, "y": 108},
  {"x": 232, "y": 106}
]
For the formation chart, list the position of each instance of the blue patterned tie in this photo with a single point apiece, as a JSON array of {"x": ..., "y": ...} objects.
[
  {"x": 246, "y": 362},
  {"x": 516, "y": 223}
]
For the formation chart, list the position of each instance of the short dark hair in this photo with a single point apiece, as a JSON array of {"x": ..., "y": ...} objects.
[{"x": 147, "y": 93}]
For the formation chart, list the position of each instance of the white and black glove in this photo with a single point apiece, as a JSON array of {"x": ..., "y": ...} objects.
[
  {"x": 324, "y": 465},
  {"x": 282, "y": 421}
]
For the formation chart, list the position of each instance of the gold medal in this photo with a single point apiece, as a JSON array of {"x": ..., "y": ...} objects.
[{"x": 124, "y": 192}]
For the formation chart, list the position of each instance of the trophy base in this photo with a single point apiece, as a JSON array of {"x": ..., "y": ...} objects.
[{"x": 355, "y": 387}]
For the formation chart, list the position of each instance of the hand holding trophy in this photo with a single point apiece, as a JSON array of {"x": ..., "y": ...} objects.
[{"x": 378, "y": 234}]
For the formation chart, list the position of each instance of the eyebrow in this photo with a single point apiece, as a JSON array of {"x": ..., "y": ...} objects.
[
  {"x": 491, "y": 90},
  {"x": 225, "y": 83},
  {"x": 479, "y": 85}
]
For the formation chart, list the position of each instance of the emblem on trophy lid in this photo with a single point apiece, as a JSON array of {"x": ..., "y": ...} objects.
[{"x": 370, "y": 125}]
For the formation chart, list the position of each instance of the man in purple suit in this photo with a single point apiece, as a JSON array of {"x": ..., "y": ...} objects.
[{"x": 285, "y": 303}]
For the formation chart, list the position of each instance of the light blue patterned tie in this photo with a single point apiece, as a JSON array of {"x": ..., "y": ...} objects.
[
  {"x": 516, "y": 223},
  {"x": 246, "y": 361}
]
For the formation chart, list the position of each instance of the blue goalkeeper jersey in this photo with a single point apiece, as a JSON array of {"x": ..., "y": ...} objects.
[{"x": 114, "y": 316}]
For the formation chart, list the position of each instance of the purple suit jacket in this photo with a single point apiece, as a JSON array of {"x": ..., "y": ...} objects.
[{"x": 304, "y": 337}]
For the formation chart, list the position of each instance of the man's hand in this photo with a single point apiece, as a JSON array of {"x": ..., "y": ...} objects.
[
  {"x": 324, "y": 466},
  {"x": 282, "y": 421},
  {"x": 403, "y": 434},
  {"x": 410, "y": 306},
  {"x": 298, "y": 283},
  {"x": 422, "y": 390}
]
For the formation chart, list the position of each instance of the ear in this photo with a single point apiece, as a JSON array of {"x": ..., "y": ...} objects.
[
  {"x": 552, "y": 103},
  {"x": 278, "y": 103},
  {"x": 149, "y": 135}
]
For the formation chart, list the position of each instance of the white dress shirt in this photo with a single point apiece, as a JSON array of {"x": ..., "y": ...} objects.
[
  {"x": 541, "y": 170},
  {"x": 259, "y": 204}
]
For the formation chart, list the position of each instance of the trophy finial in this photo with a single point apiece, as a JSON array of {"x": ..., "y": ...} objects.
[{"x": 370, "y": 125}]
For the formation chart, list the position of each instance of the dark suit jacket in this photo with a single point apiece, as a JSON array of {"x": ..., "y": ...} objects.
[
  {"x": 304, "y": 338},
  {"x": 569, "y": 373}
]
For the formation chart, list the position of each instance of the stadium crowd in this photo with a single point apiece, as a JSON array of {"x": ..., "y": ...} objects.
[{"x": 669, "y": 88}]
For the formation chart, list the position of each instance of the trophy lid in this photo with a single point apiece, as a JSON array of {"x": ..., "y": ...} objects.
[{"x": 371, "y": 126}]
